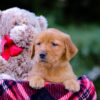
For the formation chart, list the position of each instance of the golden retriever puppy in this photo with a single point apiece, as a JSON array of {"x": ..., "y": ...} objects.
[{"x": 51, "y": 52}]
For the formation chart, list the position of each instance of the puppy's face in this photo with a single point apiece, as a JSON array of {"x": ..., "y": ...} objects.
[{"x": 52, "y": 46}]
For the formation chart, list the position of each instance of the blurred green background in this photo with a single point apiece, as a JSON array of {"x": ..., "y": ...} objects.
[{"x": 80, "y": 19}]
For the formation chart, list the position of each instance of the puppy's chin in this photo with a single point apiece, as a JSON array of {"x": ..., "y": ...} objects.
[{"x": 42, "y": 61}]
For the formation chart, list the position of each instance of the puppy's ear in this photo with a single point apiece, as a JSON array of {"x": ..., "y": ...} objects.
[
  {"x": 32, "y": 50},
  {"x": 70, "y": 48}
]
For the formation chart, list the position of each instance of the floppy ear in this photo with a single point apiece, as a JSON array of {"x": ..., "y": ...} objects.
[
  {"x": 70, "y": 48},
  {"x": 32, "y": 50},
  {"x": 32, "y": 46}
]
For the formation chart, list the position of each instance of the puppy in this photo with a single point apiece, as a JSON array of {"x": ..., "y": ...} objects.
[{"x": 51, "y": 52}]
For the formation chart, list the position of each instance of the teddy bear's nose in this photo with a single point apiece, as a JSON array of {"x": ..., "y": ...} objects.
[{"x": 43, "y": 55}]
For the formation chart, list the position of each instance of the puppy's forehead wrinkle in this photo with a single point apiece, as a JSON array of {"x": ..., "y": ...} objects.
[
  {"x": 56, "y": 31},
  {"x": 51, "y": 37}
]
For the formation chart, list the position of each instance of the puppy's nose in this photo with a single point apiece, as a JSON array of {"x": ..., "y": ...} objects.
[{"x": 42, "y": 55}]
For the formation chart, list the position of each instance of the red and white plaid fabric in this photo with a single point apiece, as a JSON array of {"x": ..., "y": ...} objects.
[{"x": 20, "y": 90}]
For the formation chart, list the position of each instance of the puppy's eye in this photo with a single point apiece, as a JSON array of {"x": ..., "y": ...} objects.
[
  {"x": 38, "y": 43},
  {"x": 54, "y": 44}
]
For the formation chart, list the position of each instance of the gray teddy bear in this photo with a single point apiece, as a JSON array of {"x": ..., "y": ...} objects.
[{"x": 18, "y": 28}]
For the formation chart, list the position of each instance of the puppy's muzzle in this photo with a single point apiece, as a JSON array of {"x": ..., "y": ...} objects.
[{"x": 43, "y": 55}]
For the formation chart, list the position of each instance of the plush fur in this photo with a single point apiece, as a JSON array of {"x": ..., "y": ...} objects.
[
  {"x": 51, "y": 52},
  {"x": 22, "y": 26}
]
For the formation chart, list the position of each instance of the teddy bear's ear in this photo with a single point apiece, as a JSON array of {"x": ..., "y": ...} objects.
[
  {"x": 43, "y": 22},
  {"x": 70, "y": 48}
]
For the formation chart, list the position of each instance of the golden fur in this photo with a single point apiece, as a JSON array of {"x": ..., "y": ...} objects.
[{"x": 55, "y": 67}]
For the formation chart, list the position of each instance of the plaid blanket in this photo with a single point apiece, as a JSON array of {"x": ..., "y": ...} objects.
[{"x": 20, "y": 90}]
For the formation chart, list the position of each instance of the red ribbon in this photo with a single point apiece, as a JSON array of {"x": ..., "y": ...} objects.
[{"x": 9, "y": 48}]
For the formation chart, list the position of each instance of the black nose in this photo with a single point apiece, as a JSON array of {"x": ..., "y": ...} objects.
[{"x": 42, "y": 55}]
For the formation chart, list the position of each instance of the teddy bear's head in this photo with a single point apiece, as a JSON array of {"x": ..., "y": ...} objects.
[{"x": 21, "y": 25}]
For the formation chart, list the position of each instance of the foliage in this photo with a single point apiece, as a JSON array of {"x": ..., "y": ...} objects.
[{"x": 65, "y": 10}]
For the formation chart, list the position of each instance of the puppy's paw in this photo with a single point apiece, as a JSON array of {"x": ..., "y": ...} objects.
[
  {"x": 72, "y": 85},
  {"x": 36, "y": 82}
]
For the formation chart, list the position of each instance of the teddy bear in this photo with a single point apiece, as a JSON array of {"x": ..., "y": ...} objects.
[{"x": 18, "y": 28}]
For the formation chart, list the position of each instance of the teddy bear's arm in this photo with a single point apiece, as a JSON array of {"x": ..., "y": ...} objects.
[{"x": 2, "y": 61}]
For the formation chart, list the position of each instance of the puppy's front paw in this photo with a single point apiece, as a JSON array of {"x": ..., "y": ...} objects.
[
  {"x": 36, "y": 82},
  {"x": 72, "y": 85}
]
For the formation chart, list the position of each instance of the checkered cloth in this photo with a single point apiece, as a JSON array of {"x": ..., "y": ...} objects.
[{"x": 20, "y": 90}]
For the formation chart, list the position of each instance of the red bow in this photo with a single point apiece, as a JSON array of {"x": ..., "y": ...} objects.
[{"x": 9, "y": 48}]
